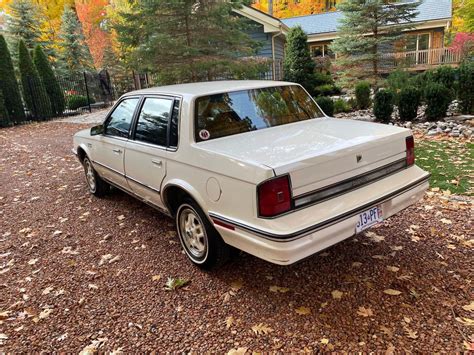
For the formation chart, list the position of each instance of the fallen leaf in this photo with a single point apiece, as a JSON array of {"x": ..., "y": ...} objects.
[
  {"x": 33, "y": 261},
  {"x": 411, "y": 333},
  {"x": 156, "y": 277},
  {"x": 45, "y": 313},
  {"x": 121, "y": 217},
  {"x": 47, "y": 290},
  {"x": 356, "y": 264},
  {"x": 393, "y": 268},
  {"x": 365, "y": 312},
  {"x": 105, "y": 258},
  {"x": 336, "y": 294},
  {"x": 173, "y": 284},
  {"x": 57, "y": 232},
  {"x": 465, "y": 321},
  {"x": 278, "y": 289},
  {"x": 324, "y": 341},
  {"x": 236, "y": 285},
  {"x": 445, "y": 221},
  {"x": 392, "y": 292},
  {"x": 238, "y": 351},
  {"x": 4, "y": 314},
  {"x": 469, "y": 307},
  {"x": 303, "y": 310},
  {"x": 114, "y": 259},
  {"x": 229, "y": 321},
  {"x": 261, "y": 329},
  {"x": 93, "y": 287},
  {"x": 374, "y": 237},
  {"x": 386, "y": 331}
]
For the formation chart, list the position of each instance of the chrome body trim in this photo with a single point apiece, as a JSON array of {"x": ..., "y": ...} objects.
[{"x": 320, "y": 225}]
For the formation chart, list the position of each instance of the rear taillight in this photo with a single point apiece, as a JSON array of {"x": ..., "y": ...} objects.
[
  {"x": 274, "y": 197},
  {"x": 410, "y": 146}
]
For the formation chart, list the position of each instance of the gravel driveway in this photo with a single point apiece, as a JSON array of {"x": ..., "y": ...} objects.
[{"x": 79, "y": 272}]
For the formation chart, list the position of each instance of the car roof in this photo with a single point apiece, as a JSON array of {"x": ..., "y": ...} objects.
[{"x": 208, "y": 87}]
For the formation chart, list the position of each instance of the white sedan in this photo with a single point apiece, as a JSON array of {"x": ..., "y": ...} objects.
[{"x": 254, "y": 165}]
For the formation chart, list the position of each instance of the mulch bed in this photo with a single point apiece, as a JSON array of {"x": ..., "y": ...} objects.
[{"x": 79, "y": 272}]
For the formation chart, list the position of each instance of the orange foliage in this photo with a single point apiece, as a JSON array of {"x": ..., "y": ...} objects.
[
  {"x": 92, "y": 13},
  {"x": 291, "y": 8}
]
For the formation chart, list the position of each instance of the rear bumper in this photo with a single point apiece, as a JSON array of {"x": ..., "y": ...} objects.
[{"x": 285, "y": 249}]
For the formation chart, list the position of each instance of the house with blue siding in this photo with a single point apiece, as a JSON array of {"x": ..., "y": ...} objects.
[
  {"x": 271, "y": 33},
  {"x": 422, "y": 48}
]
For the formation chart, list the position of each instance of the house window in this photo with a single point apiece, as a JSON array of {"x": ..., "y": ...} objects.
[
  {"x": 418, "y": 42},
  {"x": 322, "y": 50}
]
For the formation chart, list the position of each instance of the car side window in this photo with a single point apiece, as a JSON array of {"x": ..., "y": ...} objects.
[
  {"x": 174, "y": 125},
  {"x": 120, "y": 120},
  {"x": 152, "y": 125}
]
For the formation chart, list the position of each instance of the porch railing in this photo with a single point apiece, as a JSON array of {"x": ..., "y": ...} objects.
[{"x": 421, "y": 58}]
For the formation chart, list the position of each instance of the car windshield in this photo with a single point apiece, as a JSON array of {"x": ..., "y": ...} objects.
[{"x": 236, "y": 112}]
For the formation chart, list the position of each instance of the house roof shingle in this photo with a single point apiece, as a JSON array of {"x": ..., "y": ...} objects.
[{"x": 329, "y": 21}]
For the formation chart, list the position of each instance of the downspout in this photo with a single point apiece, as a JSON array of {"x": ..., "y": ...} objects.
[{"x": 273, "y": 50}]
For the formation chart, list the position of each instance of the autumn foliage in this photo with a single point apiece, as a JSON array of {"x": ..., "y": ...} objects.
[{"x": 284, "y": 9}]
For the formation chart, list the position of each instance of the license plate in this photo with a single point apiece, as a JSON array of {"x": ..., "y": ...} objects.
[{"x": 369, "y": 218}]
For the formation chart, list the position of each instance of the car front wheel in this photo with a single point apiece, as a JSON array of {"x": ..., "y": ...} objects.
[
  {"x": 97, "y": 186},
  {"x": 201, "y": 242}
]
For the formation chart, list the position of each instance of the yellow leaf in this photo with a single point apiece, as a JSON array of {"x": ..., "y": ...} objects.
[
  {"x": 324, "y": 341},
  {"x": 238, "y": 351},
  {"x": 336, "y": 294},
  {"x": 392, "y": 292},
  {"x": 365, "y": 312},
  {"x": 303, "y": 310},
  {"x": 236, "y": 285},
  {"x": 465, "y": 321},
  {"x": 229, "y": 321},
  {"x": 411, "y": 333},
  {"x": 156, "y": 277},
  {"x": 261, "y": 329},
  {"x": 278, "y": 289},
  {"x": 393, "y": 268},
  {"x": 356, "y": 264},
  {"x": 469, "y": 307},
  {"x": 45, "y": 313}
]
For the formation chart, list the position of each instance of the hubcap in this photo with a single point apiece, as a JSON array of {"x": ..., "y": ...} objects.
[
  {"x": 90, "y": 175},
  {"x": 192, "y": 233}
]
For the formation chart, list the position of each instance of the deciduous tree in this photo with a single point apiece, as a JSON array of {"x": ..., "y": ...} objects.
[
  {"x": 367, "y": 30},
  {"x": 9, "y": 85}
]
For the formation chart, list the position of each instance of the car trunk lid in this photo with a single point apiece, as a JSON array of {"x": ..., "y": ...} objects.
[{"x": 317, "y": 153}]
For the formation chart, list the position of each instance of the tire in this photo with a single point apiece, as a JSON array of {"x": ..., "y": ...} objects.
[
  {"x": 97, "y": 186},
  {"x": 200, "y": 240}
]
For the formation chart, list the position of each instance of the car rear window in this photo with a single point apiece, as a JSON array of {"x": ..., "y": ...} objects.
[{"x": 236, "y": 112}]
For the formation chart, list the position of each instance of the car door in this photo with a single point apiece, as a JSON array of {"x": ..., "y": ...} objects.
[
  {"x": 154, "y": 136},
  {"x": 109, "y": 147}
]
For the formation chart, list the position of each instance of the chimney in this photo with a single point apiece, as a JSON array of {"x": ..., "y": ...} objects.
[{"x": 270, "y": 7}]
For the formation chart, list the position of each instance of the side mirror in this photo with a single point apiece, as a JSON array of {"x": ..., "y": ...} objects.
[{"x": 96, "y": 130}]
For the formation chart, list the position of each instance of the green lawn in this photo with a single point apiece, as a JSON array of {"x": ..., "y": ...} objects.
[{"x": 451, "y": 164}]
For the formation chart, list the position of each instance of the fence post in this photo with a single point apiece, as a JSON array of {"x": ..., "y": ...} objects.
[
  {"x": 30, "y": 89},
  {"x": 87, "y": 93}
]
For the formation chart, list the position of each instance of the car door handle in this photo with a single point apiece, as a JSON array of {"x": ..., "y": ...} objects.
[
  {"x": 158, "y": 163},
  {"x": 118, "y": 151}
]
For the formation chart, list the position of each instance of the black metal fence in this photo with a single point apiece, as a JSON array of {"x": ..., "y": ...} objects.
[
  {"x": 84, "y": 91},
  {"x": 68, "y": 95}
]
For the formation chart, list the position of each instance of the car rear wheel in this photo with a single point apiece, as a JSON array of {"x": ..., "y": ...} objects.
[
  {"x": 97, "y": 186},
  {"x": 201, "y": 242}
]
